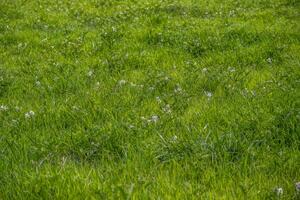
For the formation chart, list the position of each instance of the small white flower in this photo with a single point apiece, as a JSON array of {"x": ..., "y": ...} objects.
[
  {"x": 278, "y": 191},
  {"x": 167, "y": 109},
  {"x": 90, "y": 73},
  {"x": 297, "y": 185},
  {"x": 204, "y": 70},
  {"x": 167, "y": 78},
  {"x": 174, "y": 138},
  {"x": 154, "y": 118},
  {"x": 178, "y": 89},
  {"x": 29, "y": 114},
  {"x": 158, "y": 99},
  {"x": 38, "y": 83},
  {"x": 3, "y": 108},
  {"x": 122, "y": 82},
  {"x": 231, "y": 69},
  {"x": 208, "y": 94},
  {"x": 269, "y": 60},
  {"x": 151, "y": 88}
]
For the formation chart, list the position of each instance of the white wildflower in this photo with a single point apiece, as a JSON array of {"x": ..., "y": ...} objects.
[
  {"x": 3, "y": 108},
  {"x": 151, "y": 88},
  {"x": 90, "y": 73},
  {"x": 158, "y": 99},
  {"x": 122, "y": 82},
  {"x": 29, "y": 114},
  {"x": 278, "y": 191},
  {"x": 154, "y": 118},
  {"x": 178, "y": 89},
  {"x": 38, "y": 83},
  {"x": 167, "y": 109},
  {"x": 269, "y": 60},
  {"x": 231, "y": 69},
  {"x": 204, "y": 70},
  {"x": 208, "y": 94},
  {"x": 174, "y": 138}
]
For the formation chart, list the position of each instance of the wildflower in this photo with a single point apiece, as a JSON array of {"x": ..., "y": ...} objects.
[
  {"x": 208, "y": 94},
  {"x": 278, "y": 191},
  {"x": 178, "y": 89},
  {"x": 297, "y": 185},
  {"x": 231, "y": 69},
  {"x": 38, "y": 83},
  {"x": 167, "y": 109},
  {"x": 154, "y": 118},
  {"x": 90, "y": 73},
  {"x": 269, "y": 60},
  {"x": 151, "y": 88},
  {"x": 122, "y": 82},
  {"x": 204, "y": 70},
  {"x": 158, "y": 99},
  {"x": 3, "y": 108},
  {"x": 29, "y": 114},
  {"x": 174, "y": 138}
]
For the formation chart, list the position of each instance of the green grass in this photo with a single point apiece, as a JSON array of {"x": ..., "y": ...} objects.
[{"x": 148, "y": 99}]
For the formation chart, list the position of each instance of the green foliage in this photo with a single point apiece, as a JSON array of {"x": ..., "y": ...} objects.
[{"x": 124, "y": 99}]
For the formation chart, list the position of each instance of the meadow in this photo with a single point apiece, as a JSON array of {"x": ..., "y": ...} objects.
[{"x": 149, "y": 99}]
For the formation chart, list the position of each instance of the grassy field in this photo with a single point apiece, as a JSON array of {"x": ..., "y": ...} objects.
[{"x": 149, "y": 99}]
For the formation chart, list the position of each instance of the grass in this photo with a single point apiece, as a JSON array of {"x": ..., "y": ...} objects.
[{"x": 149, "y": 99}]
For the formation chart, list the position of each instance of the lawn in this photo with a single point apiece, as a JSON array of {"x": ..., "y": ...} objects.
[{"x": 149, "y": 99}]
